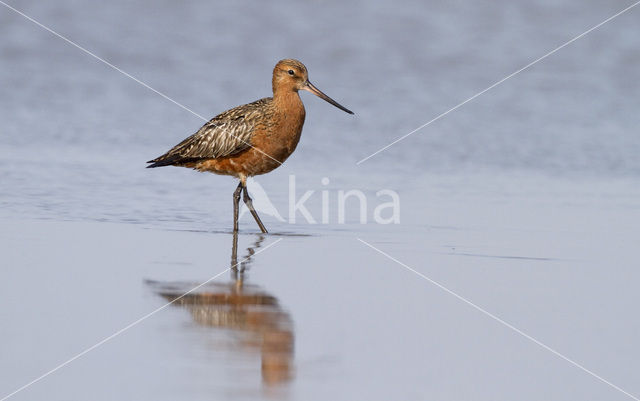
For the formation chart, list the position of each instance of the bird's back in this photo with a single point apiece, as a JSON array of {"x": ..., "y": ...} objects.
[{"x": 224, "y": 135}]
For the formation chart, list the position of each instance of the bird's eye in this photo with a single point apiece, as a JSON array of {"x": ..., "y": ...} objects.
[{"x": 290, "y": 72}]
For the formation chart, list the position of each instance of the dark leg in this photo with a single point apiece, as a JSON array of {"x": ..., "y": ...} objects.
[
  {"x": 249, "y": 203},
  {"x": 236, "y": 206},
  {"x": 234, "y": 256}
]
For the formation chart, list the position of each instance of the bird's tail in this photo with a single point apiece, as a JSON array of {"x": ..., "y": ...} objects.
[
  {"x": 164, "y": 160},
  {"x": 171, "y": 160},
  {"x": 157, "y": 164}
]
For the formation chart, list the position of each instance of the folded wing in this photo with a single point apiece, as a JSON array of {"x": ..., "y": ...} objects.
[{"x": 225, "y": 135}]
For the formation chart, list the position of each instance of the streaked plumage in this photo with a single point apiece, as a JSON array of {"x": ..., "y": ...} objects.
[
  {"x": 224, "y": 135},
  {"x": 252, "y": 139}
]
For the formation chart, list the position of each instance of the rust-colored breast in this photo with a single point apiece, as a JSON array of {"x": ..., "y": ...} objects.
[{"x": 273, "y": 140}]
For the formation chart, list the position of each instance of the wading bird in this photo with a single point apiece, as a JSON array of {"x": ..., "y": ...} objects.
[{"x": 252, "y": 139}]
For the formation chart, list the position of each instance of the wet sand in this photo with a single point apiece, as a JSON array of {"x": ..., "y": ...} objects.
[
  {"x": 524, "y": 201},
  {"x": 322, "y": 316}
]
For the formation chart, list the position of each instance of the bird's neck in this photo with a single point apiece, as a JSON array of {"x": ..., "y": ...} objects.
[{"x": 289, "y": 101}]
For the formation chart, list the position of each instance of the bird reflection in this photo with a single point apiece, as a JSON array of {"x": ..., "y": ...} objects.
[{"x": 244, "y": 308}]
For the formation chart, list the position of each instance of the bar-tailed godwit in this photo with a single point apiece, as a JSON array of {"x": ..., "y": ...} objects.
[{"x": 252, "y": 139}]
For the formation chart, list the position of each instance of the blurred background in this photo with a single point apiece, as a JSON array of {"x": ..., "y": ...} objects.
[{"x": 70, "y": 122}]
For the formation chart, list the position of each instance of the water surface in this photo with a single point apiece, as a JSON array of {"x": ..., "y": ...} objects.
[{"x": 524, "y": 201}]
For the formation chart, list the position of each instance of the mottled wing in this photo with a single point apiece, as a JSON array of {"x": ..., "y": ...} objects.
[{"x": 226, "y": 134}]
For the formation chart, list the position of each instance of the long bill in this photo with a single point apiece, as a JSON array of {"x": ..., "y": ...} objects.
[{"x": 311, "y": 88}]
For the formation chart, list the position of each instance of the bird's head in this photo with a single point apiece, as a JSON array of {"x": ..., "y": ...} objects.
[
  {"x": 289, "y": 74},
  {"x": 292, "y": 75}
]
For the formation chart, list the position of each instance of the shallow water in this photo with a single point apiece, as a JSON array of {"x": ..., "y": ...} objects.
[{"x": 524, "y": 202}]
